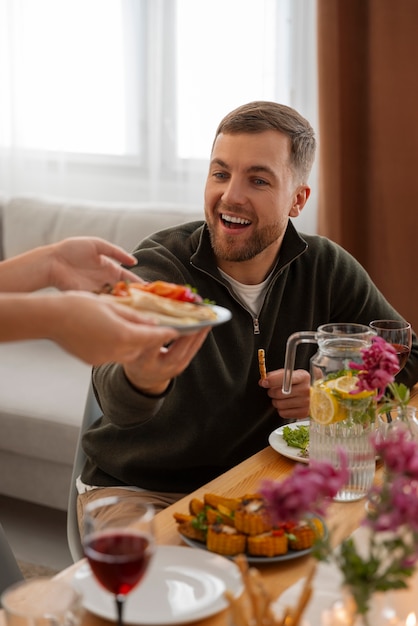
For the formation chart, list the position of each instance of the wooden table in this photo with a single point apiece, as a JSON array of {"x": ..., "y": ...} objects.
[{"x": 342, "y": 519}]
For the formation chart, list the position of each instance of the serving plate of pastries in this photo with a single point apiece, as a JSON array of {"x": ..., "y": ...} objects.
[{"x": 232, "y": 526}]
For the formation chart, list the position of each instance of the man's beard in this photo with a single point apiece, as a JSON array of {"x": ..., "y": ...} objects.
[{"x": 225, "y": 248}]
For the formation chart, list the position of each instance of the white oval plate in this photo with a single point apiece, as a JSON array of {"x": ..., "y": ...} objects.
[
  {"x": 278, "y": 443},
  {"x": 223, "y": 315},
  {"x": 182, "y": 585}
]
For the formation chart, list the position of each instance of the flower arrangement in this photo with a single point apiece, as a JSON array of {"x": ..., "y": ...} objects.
[
  {"x": 376, "y": 374},
  {"x": 392, "y": 517},
  {"x": 392, "y": 551},
  {"x": 391, "y": 555},
  {"x": 354, "y": 390}
]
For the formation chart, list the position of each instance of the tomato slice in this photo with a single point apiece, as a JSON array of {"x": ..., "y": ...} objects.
[
  {"x": 120, "y": 289},
  {"x": 169, "y": 290},
  {"x": 159, "y": 288}
]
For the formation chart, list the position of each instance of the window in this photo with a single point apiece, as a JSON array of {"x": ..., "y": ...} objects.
[
  {"x": 120, "y": 99},
  {"x": 230, "y": 61},
  {"x": 68, "y": 79}
]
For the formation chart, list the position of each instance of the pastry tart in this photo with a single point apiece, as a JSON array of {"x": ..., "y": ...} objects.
[
  {"x": 302, "y": 536},
  {"x": 251, "y": 517},
  {"x": 272, "y": 543},
  {"x": 224, "y": 539}
]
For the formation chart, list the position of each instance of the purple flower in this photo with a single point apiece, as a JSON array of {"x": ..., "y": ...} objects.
[
  {"x": 307, "y": 490},
  {"x": 380, "y": 364}
]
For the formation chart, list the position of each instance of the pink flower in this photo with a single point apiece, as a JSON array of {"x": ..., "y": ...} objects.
[
  {"x": 410, "y": 561},
  {"x": 398, "y": 452},
  {"x": 395, "y": 507},
  {"x": 395, "y": 502},
  {"x": 380, "y": 364},
  {"x": 306, "y": 490}
]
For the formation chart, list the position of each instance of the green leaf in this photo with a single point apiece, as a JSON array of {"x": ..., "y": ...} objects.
[{"x": 297, "y": 437}]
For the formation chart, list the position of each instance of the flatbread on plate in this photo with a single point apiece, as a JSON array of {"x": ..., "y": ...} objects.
[{"x": 163, "y": 309}]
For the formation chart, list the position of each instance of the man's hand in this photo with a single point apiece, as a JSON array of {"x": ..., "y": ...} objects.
[
  {"x": 152, "y": 371},
  {"x": 290, "y": 406}
]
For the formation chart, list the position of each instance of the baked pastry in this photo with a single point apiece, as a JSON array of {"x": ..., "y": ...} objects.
[
  {"x": 226, "y": 540},
  {"x": 302, "y": 535},
  {"x": 187, "y": 526},
  {"x": 272, "y": 543},
  {"x": 252, "y": 518}
]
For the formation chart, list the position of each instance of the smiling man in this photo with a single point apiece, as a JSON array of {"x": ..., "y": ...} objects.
[
  {"x": 165, "y": 433},
  {"x": 251, "y": 192}
]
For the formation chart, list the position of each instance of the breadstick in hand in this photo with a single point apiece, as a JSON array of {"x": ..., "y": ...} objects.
[{"x": 262, "y": 364}]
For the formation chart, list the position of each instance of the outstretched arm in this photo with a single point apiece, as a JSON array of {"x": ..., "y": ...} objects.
[
  {"x": 83, "y": 324},
  {"x": 74, "y": 263}
]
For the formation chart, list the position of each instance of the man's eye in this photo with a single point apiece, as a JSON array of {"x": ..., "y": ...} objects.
[
  {"x": 220, "y": 175},
  {"x": 260, "y": 181}
]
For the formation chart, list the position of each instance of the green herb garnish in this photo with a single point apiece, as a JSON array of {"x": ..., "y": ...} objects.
[{"x": 297, "y": 437}]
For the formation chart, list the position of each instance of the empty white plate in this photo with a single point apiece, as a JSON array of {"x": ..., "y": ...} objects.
[{"x": 182, "y": 585}]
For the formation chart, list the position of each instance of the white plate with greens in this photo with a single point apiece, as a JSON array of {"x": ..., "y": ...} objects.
[{"x": 299, "y": 434}]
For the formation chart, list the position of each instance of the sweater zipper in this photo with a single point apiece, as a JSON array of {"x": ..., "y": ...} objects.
[
  {"x": 256, "y": 323},
  {"x": 256, "y": 326}
]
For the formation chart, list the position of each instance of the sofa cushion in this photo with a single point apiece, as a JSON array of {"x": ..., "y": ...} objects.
[
  {"x": 29, "y": 222},
  {"x": 43, "y": 390}
]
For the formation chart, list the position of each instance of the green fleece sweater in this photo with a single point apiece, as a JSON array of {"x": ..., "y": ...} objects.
[{"x": 215, "y": 414}]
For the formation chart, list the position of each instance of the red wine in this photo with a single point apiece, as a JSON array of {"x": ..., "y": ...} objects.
[
  {"x": 402, "y": 353},
  {"x": 118, "y": 559}
]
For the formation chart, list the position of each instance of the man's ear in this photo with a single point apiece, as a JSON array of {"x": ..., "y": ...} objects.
[{"x": 301, "y": 196}]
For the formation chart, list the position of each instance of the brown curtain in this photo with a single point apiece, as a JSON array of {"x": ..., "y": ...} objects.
[{"x": 368, "y": 134}]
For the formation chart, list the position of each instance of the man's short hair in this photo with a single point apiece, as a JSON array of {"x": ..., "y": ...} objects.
[{"x": 259, "y": 116}]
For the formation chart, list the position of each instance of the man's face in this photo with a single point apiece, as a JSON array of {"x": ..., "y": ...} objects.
[{"x": 250, "y": 194}]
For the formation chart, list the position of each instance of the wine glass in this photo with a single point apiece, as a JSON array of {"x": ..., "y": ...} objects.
[
  {"x": 118, "y": 543},
  {"x": 399, "y": 334}
]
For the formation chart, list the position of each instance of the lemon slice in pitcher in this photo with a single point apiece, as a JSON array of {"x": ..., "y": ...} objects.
[
  {"x": 345, "y": 385},
  {"x": 324, "y": 407}
]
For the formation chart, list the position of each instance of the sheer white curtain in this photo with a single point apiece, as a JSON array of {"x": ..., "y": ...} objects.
[{"x": 119, "y": 99}]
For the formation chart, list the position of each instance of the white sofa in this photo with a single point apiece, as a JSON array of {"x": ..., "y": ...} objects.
[{"x": 42, "y": 388}]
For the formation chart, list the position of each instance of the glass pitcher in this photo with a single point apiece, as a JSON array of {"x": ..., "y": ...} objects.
[
  {"x": 340, "y": 416},
  {"x": 337, "y": 345}
]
